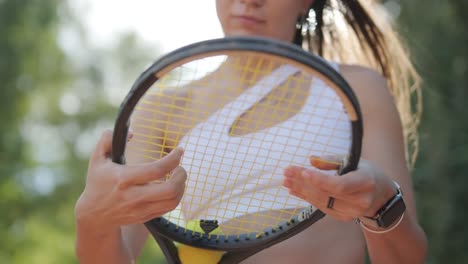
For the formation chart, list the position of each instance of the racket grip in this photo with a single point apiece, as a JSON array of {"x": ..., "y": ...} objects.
[{"x": 167, "y": 246}]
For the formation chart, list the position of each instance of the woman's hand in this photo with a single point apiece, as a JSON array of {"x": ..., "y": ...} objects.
[
  {"x": 117, "y": 195},
  {"x": 358, "y": 193}
]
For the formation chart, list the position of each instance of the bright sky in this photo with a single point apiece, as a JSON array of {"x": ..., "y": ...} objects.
[{"x": 168, "y": 23}]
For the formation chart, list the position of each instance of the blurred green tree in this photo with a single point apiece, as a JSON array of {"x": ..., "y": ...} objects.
[
  {"x": 29, "y": 60},
  {"x": 437, "y": 32},
  {"x": 59, "y": 93}
]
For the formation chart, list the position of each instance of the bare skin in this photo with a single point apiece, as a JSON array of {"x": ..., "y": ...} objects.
[
  {"x": 336, "y": 231},
  {"x": 333, "y": 240}
]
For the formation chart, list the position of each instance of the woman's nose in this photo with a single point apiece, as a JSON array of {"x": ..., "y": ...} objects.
[{"x": 254, "y": 3}]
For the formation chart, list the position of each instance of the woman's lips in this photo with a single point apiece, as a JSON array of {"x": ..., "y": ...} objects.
[{"x": 248, "y": 21}]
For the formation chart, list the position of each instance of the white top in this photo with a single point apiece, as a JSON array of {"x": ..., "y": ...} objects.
[{"x": 244, "y": 173}]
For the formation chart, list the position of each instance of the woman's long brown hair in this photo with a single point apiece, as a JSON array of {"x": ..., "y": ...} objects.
[{"x": 360, "y": 32}]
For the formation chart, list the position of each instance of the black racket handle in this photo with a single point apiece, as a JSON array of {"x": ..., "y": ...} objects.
[{"x": 167, "y": 247}]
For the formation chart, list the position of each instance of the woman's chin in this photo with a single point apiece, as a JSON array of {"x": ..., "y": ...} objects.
[{"x": 245, "y": 33}]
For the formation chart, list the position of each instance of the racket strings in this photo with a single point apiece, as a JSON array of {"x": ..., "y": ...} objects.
[{"x": 242, "y": 191}]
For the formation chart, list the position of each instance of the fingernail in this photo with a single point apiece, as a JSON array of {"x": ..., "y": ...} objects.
[
  {"x": 313, "y": 157},
  {"x": 288, "y": 173},
  {"x": 287, "y": 183},
  {"x": 315, "y": 161},
  {"x": 129, "y": 135},
  {"x": 180, "y": 151}
]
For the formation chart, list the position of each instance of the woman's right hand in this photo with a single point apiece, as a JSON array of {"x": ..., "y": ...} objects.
[{"x": 117, "y": 195}]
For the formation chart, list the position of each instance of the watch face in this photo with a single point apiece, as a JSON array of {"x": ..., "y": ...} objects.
[{"x": 394, "y": 210}]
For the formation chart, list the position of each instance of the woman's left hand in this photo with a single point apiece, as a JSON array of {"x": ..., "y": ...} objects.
[{"x": 356, "y": 194}]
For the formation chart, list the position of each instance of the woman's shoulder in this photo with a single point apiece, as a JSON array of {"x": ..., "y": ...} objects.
[
  {"x": 370, "y": 87},
  {"x": 377, "y": 103}
]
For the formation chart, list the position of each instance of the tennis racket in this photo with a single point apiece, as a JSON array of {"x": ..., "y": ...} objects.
[{"x": 243, "y": 108}]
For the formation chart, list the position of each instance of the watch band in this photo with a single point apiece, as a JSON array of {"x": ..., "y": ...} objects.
[{"x": 389, "y": 214}]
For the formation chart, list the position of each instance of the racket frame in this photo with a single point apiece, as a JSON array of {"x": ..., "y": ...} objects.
[{"x": 238, "y": 247}]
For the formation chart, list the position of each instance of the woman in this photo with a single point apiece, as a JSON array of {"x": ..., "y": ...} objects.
[{"x": 383, "y": 88}]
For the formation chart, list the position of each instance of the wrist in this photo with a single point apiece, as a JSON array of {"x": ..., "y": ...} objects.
[
  {"x": 379, "y": 230},
  {"x": 89, "y": 223},
  {"x": 388, "y": 216},
  {"x": 93, "y": 227},
  {"x": 94, "y": 244}
]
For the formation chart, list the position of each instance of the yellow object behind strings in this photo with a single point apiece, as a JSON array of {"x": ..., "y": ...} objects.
[{"x": 193, "y": 255}]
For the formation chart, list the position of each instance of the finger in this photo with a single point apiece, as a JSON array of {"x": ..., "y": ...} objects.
[
  {"x": 326, "y": 162},
  {"x": 310, "y": 193},
  {"x": 340, "y": 211},
  {"x": 178, "y": 176},
  {"x": 130, "y": 135},
  {"x": 353, "y": 203},
  {"x": 337, "y": 186},
  {"x": 147, "y": 211},
  {"x": 293, "y": 171},
  {"x": 151, "y": 210},
  {"x": 154, "y": 212},
  {"x": 103, "y": 147},
  {"x": 157, "y": 191},
  {"x": 145, "y": 173},
  {"x": 348, "y": 203},
  {"x": 173, "y": 188},
  {"x": 160, "y": 197}
]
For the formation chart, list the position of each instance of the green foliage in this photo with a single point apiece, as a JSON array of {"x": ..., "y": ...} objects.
[
  {"x": 438, "y": 35},
  {"x": 28, "y": 57},
  {"x": 57, "y": 97}
]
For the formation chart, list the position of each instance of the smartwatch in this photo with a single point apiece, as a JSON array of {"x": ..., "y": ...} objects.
[{"x": 389, "y": 214}]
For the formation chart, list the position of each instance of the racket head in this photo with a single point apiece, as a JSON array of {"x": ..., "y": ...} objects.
[{"x": 174, "y": 74}]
